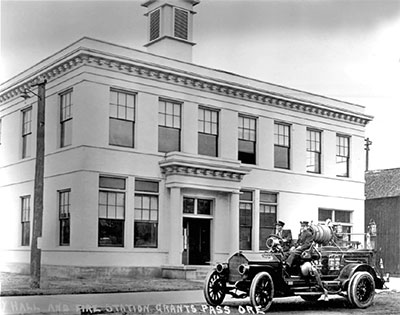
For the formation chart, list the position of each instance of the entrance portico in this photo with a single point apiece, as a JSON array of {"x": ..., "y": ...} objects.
[{"x": 198, "y": 236}]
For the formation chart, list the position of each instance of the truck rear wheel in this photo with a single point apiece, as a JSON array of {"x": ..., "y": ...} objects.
[
  {"x": 262, "y": 291},
  {"x": 361, "y": 290}
]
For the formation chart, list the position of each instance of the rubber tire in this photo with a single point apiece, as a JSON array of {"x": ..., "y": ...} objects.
[
  {"x": 214, "y": 288},
  {"x": 311, "y": 298},
  {"x": 254, "y": 291},
  {"x": 364, "y": 282}
]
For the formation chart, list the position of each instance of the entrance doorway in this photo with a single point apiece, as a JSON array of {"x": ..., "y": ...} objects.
[{"x": 196, "y": 241}]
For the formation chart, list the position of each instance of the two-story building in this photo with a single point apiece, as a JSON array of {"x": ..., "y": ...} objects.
[{"x": 151, "y": 160}]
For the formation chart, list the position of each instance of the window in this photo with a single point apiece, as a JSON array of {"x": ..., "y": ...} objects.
[
  {"x": 155, "y": 24},
  {"x": 342, "y": 155},
  {"x": 181, "y": 24},
  {"x": 340, "y": 218},
  {"x": 64, "y": 205},
  {"x": 25, "y": 220},
  {"x": 65, "y": 119},
  {"x": 197, "y": 206},
  {"x": 245, "y": 219},
  {"x": 268, "y": 207},
  {"x": 208, "y": 132},
  {"x": 122, "y": 119},
  {"x": 169, "y": 126},
  {"x": 26, "y": 132},
  {"x": 146, "y": 214},
  {"x": 247, "y": 140},
  {"x": 282, "y": 145},
  {"x": 313, "y": 151},
  {"x": 111, "y": 211}
]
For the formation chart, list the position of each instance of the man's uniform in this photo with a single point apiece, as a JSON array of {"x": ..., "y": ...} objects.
[{"x": 303, "y": 243}]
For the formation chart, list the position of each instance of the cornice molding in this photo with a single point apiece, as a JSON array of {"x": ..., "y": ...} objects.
[
  {"x": 179, "y": 168},
  {"x": 183, "y": 79}
]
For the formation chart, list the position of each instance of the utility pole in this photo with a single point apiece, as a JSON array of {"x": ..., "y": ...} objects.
[
  {"x": 367, "y": 144},
  {"x": 36, "y": 252}
]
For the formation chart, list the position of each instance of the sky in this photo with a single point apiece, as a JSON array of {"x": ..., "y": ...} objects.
[{"x": 344, "y": 49}]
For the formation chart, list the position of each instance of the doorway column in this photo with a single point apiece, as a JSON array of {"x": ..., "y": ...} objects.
[
  {"x": 234, "y": 222},
  {"x": 175, "y": 228}
]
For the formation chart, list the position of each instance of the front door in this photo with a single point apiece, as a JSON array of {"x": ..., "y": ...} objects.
[{"x": 196, "y": 233}]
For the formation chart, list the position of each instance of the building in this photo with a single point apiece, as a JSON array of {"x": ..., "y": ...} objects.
[
  {"x": 382, "y": 204},
  {"x": 154, "y": 161}
]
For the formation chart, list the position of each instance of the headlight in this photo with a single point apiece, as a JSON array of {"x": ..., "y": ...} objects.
[
  {"x": 243, "y": 269},
  {"x": 221, "y": 267}
]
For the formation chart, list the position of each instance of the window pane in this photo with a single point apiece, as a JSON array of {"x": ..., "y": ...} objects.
[
  {"x": 281, "y": 157},
  {"x": 168, "y": 139},
  {"x": 144, "y": 185},
  {"x": 207, "y": 144},
  {"x": 64, "y": 231},
  {"x": 342, "y": 216},
  {"x": 145, "y": 234},
  {"x": 188, "y": 205},
  {"x": 112, "y": 182},
  {"x": 268, "y": 197},
  {"x": 111, "y": 232},
  {"x": 323, "y": 214},
  {"x": 246, "y": 195},
  {"x": 245, "y": 238},
  {"x": 204, "y": 206},
  {"x": 121, "y": 132},
  {"x": 66, "y": 133}
]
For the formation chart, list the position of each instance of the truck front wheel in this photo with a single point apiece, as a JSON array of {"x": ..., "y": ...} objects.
[{"x": 361, "y": 290}]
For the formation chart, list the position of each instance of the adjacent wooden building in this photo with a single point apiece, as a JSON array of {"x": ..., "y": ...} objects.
[{"x": 382, "y": 204}]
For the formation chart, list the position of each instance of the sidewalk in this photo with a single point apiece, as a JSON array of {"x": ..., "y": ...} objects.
[{"x": 135, "y": 302}]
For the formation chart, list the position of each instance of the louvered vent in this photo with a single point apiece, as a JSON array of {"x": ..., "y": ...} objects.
[
  {"x": 181, "y": 23},
  {"x": 155, "y": 25}
]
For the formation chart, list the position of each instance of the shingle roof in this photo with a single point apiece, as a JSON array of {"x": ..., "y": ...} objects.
[{"x": 382, "y": 183}]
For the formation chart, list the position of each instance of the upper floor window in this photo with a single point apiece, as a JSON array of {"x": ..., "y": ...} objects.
[
  {"x": 313, "y": 151},
  {"x": 342, "y": 155},
  {"x": 25, "y": 220},
  {"x": 169, "y": 126},
  {"x": 282, "y": 145},
  {"x": 146, "y": 213},
  {"x": 65, "y": 119},
  {"x": 111, "y": 211},
  {"x": 181, "y": 23},
  {"x": 26, "y": 132},
  {"x": 155, "y": 23},
  {"x": 247, "y": 140},
  {"x": 64, "y": 205},
  {"x": 122, "y": 119},
  {"x": 268, "y": 209},
  {"x": 245, "y": 220},
  {"x": 208, "y": 132}
]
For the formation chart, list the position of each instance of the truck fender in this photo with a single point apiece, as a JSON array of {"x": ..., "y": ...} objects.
[{"x": 349, "y": 270}]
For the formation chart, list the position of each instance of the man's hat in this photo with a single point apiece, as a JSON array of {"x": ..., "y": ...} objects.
[
  {"x": 304, "y": 222},
  {"x": 280, "y": 223}
]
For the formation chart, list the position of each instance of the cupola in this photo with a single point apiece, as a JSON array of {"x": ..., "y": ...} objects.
[{"x": 170, "y": 28}]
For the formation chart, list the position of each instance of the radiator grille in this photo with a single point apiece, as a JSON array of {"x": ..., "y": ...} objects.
[{"x": 234, "y": 264}]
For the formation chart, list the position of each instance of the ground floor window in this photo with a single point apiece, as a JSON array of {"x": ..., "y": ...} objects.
[
  {"x": 111, "y": 211},
  {"x": 245, "y": 220},
  {"x": 341, "y": 220},
  {"x": 64, "y": 215},
  {"x": 146, "y": 213},
  {"x": 268, "y": 207},
  {"x": 25, "y": 220}
]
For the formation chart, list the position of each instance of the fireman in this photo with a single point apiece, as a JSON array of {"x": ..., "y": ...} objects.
[{"x": 303, "y": 243}]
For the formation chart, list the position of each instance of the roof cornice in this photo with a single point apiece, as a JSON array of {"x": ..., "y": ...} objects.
[{"x": 190, "y": 80}]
